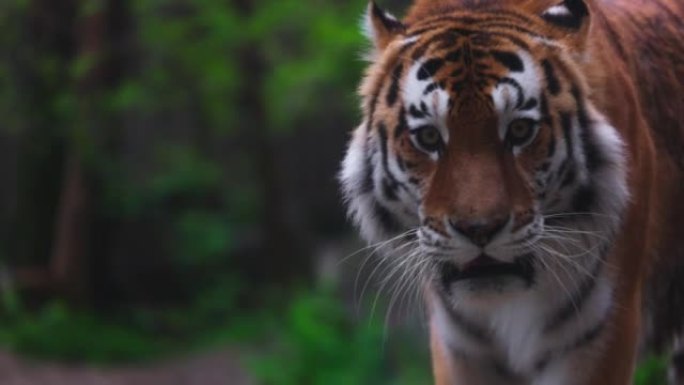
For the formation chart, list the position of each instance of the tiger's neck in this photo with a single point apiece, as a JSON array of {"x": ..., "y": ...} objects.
[{"x": 522, "y": 335}]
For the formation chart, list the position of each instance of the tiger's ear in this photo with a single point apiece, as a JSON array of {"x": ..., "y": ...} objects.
[
  {"x": 380, "y": 27},
  {"x": 572, "y": 18}
]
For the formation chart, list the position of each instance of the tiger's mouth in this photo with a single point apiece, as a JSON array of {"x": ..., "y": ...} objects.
[{"x": 485, "y": 267}]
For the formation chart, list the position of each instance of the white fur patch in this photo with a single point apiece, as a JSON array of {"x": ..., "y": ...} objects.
[
  {"x": 558, "y": 10},
  {"x": 411, "y": 40},
  {"x": 437, "y": 101},
  {"x": 367, "y": 25},
  {"x": 505, "y": 95}
]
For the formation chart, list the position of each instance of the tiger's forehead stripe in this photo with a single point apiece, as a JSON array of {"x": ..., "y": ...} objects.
[
  {"x": 474, "y": 17},
  {"x": 478, "y": 21},
  {"x": 447, "y": 35},
  {"x": 518, "y": 29}
]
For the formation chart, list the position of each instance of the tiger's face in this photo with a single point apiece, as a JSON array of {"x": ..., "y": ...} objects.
[{"x": 481, "y": 148}]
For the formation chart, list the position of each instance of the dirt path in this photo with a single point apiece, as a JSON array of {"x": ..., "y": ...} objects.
[{"x": 216, "y": 368}]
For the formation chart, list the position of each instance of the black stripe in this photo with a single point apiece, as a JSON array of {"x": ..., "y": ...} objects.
[
  {"x": 390, "y": 190},
  {"x": 501, "y": 14},
  {"x": 511, "y": 38},
  {"x": 430, "y": 88},
  {"x": 415, "y": 112},
  {"x": 401, "y": 163},
  {"x": 491, "y": 25},
  {"x": 504, "y": 371},
  {"x": 373, "y": 104},
  {"x": 544, "y": 109},
  {"x": 569, "y": 178},
  {"x": 491, "y": 77},
  {"x": 368, "y": 185},
  {"x": 424, "y": 108},
  {"x": 552, "y": 82},
  {"x": 478, "y": 53},
  {"x": 392, "y": 183},
  {"x": 467, "y": 326},
  {"x": 501, "y": 17},
  {"x": 594, "y": 157},
  {"x": 545, "y": 167},
  {"x": 406, "y": 47},
  {"x": 481, "y": 15},
  {"x": 457, "y": 72},
  {"x": 470, "y": 328},
  {"x": 519, "y": 90},
  {"x": 582, "y": 115},
  {"x": 387, "y": 220},
  {"x": 382, "y": 130},
  {"x": 530, "y": 104},
  {"x": 371, "y": 110},
  {"x": 461, "y": 31},
  {"x": 393, "y": 92},
  {"x": 562, "y": 169},
  {"x": 552, "y": 147},
  {"x": 445, "y": 39},
  {"x": 402, "y": 126},
  {"x": 468, "y": 55},
  {"x": 430, "y": 68},
  {"x": 458, "y": 86},
  {"x": 566, "y": 124},
  {"x": 454, "y": 55},
  {"x": 420, "y": 51},
  {"x": 576, "y": 301},
  {"x": 584, "y": 199},
  {"x": 583, "y": 340}
]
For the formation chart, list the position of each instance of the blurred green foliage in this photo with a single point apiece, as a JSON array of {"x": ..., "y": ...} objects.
[
  {"x": 313, "y": 340},
  {"x": 317, "y": 342},
  {"x": 59, "y": 333},
  {"x": 653, "y": 371},
  {"x": 123, "y": 336}
]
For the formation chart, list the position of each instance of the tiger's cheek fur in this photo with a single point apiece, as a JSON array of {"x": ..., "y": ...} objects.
[{"x": 536, "y": 162}]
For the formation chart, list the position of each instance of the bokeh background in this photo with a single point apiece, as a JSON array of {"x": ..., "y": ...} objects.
[{"x": 169, "y": 212}]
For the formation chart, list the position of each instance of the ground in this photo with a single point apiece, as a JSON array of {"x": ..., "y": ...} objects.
[{"x": 215, "y": 368}]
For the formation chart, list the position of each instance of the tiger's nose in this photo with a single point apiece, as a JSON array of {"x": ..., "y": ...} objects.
[{"x": 479, "y": 232}]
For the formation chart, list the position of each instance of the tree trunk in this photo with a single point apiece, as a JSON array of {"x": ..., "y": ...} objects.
[
  {"x": 285, "y": 260},
  {"x": 70, "y": 256}
]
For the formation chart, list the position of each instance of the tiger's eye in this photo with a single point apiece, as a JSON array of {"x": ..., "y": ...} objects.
[
  {"x": 428, "y": 138},
  {"x": 520, "y": 131}
]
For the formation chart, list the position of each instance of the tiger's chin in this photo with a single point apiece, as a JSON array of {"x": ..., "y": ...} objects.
[{"x": 486, "y": 277}]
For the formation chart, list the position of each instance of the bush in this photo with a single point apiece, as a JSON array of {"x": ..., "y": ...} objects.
[
  {"x": 57, "y": 333},
  {"x": 318, "y": 343}
]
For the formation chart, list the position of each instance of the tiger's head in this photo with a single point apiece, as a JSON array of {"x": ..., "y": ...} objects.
[{"x": 482, "y": 145}]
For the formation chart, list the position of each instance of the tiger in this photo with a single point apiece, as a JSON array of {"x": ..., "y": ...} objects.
[{"x": 524, "y": 159}]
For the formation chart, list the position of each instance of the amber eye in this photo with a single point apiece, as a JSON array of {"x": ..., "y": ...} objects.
[
  {"x": 520, "y": 131},
  {"x": 428, "y": 138}
]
